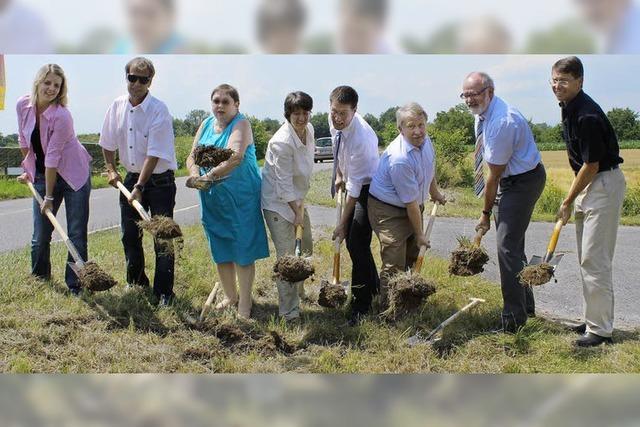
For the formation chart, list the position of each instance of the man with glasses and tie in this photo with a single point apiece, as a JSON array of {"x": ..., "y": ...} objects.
[
  {"x": 140, "y": 128},
  {"x": 355, "y": 153},
  {"x": 597, "y": 193},
  {"x": 515, "y": 180}
]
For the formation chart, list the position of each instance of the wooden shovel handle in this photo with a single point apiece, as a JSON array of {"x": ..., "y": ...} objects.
[
  {"x": 553, "y": 241},
  {"x": 72, "y": 249},
  {"x": 136, "y": 204},
  {"x": 427, "y": 234},
  {"x": 335, "y": 275}
]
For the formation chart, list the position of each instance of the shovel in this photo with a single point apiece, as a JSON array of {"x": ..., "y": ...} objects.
[
  {"x": 335, "y": 280},
  {"x": 298, "y": 250},
  {"x": 549, "y": 257},
  {"x": 79, "y": 263},
  {"x": 427, "y": 234},
  {"x": 136, "y": 204},
  {"x": 419, "y": 339}
]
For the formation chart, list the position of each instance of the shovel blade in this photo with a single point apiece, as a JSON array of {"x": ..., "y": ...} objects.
[
  {"x": 535, "y": 260},
  {"x": 76, "y": 267},
  {"x": 415, "y": 340},
  {"x": 556, "y": 260}
]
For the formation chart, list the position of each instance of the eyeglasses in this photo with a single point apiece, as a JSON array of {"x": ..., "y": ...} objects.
[
  {"x": 465, "y": 95},
  {"x": 142, "y": 79},
  {"x": 559, "y": 82}
]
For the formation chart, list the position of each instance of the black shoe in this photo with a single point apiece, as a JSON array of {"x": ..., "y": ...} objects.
[
  {"x": 592, "y": 340},
  {"x": 580, "y": 329}
]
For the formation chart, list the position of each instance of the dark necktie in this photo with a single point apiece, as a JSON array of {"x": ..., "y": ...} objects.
[{"x": 335, "y": 164}]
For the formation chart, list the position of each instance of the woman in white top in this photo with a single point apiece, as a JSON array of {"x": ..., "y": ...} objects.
[{"x": 286, "y": 178}]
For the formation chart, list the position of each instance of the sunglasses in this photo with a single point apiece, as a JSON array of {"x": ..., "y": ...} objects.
[{"x": 133, "y": 78}]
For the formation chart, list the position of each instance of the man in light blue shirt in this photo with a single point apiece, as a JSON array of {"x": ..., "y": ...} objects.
[
  {"x": 404, "y": 179},
  {"x": 515, "y": 180}
]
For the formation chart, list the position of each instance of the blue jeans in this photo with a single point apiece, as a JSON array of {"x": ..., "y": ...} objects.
[
  {"x": 159, "y": 196},
  {"x": 77, "y": 208}
]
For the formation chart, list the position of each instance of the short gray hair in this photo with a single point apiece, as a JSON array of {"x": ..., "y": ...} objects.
[
  {"x": 487, "y": 81},
  {"x": 412, "y": 109}
]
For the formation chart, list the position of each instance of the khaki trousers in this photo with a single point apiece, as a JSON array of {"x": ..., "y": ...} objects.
[
  {"x": 398, "y": 247},
  {"x": 597, "y": 214},
  {"x": 283, "y": 234}
]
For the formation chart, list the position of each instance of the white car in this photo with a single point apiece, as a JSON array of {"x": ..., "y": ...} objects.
[{"x": 324, "y": 150}]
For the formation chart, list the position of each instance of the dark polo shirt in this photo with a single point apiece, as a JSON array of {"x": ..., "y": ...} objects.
[{"x": 588, "y": 134}]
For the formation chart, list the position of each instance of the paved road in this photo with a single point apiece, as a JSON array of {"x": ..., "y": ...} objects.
[{"x": 562, "y": 299}]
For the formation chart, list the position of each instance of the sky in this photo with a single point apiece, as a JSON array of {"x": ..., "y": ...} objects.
[{"x": 185, "y": 82}]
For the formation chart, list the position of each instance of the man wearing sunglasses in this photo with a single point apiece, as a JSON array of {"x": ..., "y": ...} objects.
[
  {"x": 140, "y": 128},
  {"x": 515, "y": 180},
  {"x": 597, "y": 193}
]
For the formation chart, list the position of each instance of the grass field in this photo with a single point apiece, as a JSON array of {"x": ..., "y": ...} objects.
[{"x": 43, "y": 329}]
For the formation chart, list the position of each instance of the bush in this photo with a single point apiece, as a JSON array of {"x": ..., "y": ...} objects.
[
  {"x": 631, "y": 204},
  {"x": 550, "y": 200}
]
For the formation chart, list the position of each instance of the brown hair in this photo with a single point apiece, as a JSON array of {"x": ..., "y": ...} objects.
[
  {"x": 345, "y": 95},
  {"x": 142, "y": 64},
  {"x": 569, "y": 65},
  {"x": 296, "y": 100},
  {"x": 227, "y": 89}
]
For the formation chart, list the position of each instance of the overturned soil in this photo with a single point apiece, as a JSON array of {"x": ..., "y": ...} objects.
[
  {"x": 161, "y": 227},
  {"x": 536, "y": 275},
  {"x": 293, "y": 268},
  {"x": 207, "y": 156},
  {"x": 468, "y": 259},
  {"x": 407, "y": 292},
  {"x": 331, "y": 296},
  {"x": 95, "y": 278}
]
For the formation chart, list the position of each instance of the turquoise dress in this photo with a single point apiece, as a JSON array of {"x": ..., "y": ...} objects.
[{"x": 230, "y": 211}]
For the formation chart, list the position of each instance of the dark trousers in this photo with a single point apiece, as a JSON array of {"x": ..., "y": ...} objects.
[
  {"x": 364, "y": 275},
  {"x": 159, "y": 196},
  {"x": 516, "y": 198},
  {"x": 77, "y": 208}
]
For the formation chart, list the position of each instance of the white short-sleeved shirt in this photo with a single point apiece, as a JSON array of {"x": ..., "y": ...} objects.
[
  {"x": 358, "y": 157},
  {"x": 288, "y": 166},
  {"x": 508, "y": 139},
  {"x": 138, "y": 132}
]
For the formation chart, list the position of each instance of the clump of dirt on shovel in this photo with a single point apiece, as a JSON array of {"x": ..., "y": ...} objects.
[
  {"x": 536, "y": 275},
  {"x": 407, "y": 293},
  {"x": 94, "y": 278},
  {"x": 293, "y": 268},
  {"x": 331, "y": 296},
  {"x": 208, "y": 156},
  {"x": 161, "y": 227},
  {"x": 468, "y": 259}
]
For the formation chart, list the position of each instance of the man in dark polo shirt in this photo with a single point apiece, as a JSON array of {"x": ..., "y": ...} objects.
[{"x": 597, "y": 192}]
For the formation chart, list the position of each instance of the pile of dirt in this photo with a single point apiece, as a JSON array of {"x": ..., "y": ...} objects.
[
  {"x": 208, "y": 156},
  {"x": 468, "y": 259},
  {"x": 407, "y": 292},
  {"x": 536, "y": 275},
  {"x": 331, "y": 296},
  {"x": 94, "y": 278},
  {"x": 293, "y": 268},
  {"x": 161, "y": 227}
]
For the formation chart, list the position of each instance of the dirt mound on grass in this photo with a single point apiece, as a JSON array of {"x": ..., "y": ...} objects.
[
  {"x": 407, "y": 292},
  {"x": 331, "y": 296},
  {"x": 94, "y": 278}
]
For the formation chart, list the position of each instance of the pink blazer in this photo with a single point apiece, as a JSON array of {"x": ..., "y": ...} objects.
[{"x": 61, "y": 147}]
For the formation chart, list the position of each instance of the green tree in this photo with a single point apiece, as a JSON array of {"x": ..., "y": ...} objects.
[
  {"x": 388, "y": 134},
  {"x": 193, "y": 120},
  {"x": 320, "y": 122},
  {"x": 388, "y": 116},
  {"x": 458, "y": 118},
  {"x": 625, "y": 123},
  {"x": 272, "y": 125},
  {"x": 260, "y": 136}
]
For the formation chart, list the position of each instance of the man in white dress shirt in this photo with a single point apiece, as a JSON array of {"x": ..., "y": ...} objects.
[
  {"x": 355, "y": 153},
  {"x": 140, "y": 128}
]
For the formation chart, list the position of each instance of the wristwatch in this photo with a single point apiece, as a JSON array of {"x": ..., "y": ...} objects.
[
  {"x": 487, "y": 213},
  {"x": 139, "y": 187}
]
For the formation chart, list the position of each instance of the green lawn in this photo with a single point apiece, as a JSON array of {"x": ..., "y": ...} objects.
[{"x": 43, "y": 329}]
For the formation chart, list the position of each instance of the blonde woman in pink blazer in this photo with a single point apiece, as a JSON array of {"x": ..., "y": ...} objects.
[{"x": 57, "y": 165}]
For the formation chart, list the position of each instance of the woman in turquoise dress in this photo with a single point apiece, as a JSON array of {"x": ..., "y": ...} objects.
[{"x": 230, "y": 208}]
